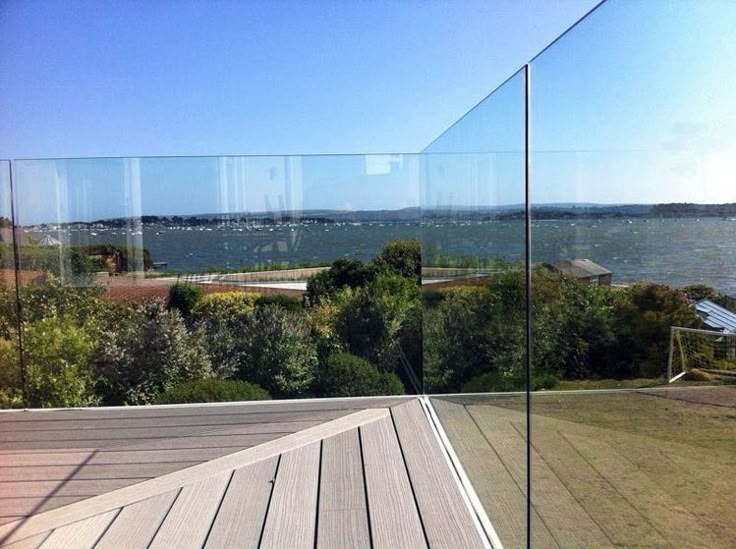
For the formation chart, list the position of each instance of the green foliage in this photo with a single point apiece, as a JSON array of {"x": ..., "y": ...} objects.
[
  {"x": 280, "y": 300},
  {"x": 476, "y": 330},
  {"x": 10, "y": 379},
  {"x": 343, "y": 273},
  {"x": 212, "y": 390},
  {"x": 143, "y": 351},
  {"x": 346, "y": 375},
  {"x": 49, "y": 297},
  {"x": 320, "y": 319},
  {"x": 57, "y": 355},
  {"x": 279, "y": 353},
  {"x": 474, "y": 339},
  {"x": 401, "y": 257},
  {"x": 223, "y": 318},
  {"x": 643, "y": 322},
  {"x": 224, "y": 303},
  {"x": 73, "y": 260},
  {"x": 369, "y": 319},
  {"x": 184, "y": 297}
]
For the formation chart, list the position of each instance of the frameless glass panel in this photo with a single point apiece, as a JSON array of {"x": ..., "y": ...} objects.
[
  {"x": 473, "y": 276},
  {"x": 11, "y": 393},
  {"x": 298, "y": 274},
  {"x": 633, "y": 262}
]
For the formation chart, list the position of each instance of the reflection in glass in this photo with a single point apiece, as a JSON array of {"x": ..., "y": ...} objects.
[
  {"x": 633, "y": 265},
  {"x": 11, "y": 392},
  {"x": 162, "y": 279},
  {"x": 473, "y": 275}
]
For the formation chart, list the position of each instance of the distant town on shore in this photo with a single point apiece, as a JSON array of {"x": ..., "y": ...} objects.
[{"x": 416, "y": 214}]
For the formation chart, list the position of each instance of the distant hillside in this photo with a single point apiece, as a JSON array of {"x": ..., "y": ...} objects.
[{"x": 435, "y": 213}]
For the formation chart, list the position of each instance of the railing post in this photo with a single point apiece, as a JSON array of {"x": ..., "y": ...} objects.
[
  {"x": 528, "y": 261},
  {"x": 18, "y": 306}
]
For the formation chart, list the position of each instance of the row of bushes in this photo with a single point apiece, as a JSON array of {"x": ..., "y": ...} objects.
[
  {"x": 362, "y": 329},
  {"x": 475, "y": 337},
  {"x": 82, "y": 349},
  {"x": 75, "y": 260}
]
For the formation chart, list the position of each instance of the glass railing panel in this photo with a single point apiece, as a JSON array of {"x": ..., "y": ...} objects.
[
  {"x": 155, "y": 279},
  {"x": 11, "y": 392},
  {"x": 473, "y": 220},
  {"x": 633, "y": 260}
]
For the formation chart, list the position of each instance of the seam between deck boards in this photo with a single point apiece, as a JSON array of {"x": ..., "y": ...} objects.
[
  {"x": 365, "y": 488},
  {"x": 131, "y": 494},
  {"x": 470, "y": 497}
]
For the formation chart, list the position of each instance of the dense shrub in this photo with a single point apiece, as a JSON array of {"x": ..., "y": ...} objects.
[
  {"x": 346, "y": 375},
  {"x": 184, "y": 298},
  {"x": 321, "y": 321},
  {"x": 224, "y": 304},
  {"x": 279, "y": 354},
  {"x": 212, "y": 390},
  {"x": 143, "y": 351},
  {"x": 10, "y": 377},
  {"x": 642, "y": 322},
  {"x": 370, "y": 318},
  {"x": 223, "y": 318},
  {"x": 57, "y": 355},
  {"x": 280, "y": 300},
  {"x": 48, "y": 297}
]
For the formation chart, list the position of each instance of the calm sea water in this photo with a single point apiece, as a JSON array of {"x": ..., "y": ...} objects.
[{"x": 671, "y": 251}]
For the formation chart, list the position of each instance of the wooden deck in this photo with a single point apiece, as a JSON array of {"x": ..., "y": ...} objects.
[
  {"x": 53, "y": 458},
  {"x": 352, "y": 473},
  {"x": 594, "y": 486}
]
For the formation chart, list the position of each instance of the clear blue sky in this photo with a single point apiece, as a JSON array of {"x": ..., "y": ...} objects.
[
  {"x": 165, "y": 77},
  {"x": 635, "y": 105}
]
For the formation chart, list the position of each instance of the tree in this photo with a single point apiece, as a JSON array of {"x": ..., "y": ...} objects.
[
  {"x": 401, "y": 257},
  {"x": 343, "y": 273}
]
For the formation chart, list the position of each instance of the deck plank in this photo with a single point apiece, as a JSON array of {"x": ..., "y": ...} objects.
[
  {"x": 90, "y": 472},
  {"x": 502, "y": 497},
  {"x": 63, "y": 488},
  {"x": 394, "y": 516},
  {"x": 292, "y": 514},
  {"x": 446, "y": 517},
  {"x": 243, "y": 511},
  {"x": 143, "y": 428},
  {"x": 136, "y": 524},
  {"x": 343, "y": 510},
  {"x": 189, "y": 520},
  {"x": 82, "y": 534},
  {"x": 181, "y": 411},
  {"x": 22, "y": 506}
]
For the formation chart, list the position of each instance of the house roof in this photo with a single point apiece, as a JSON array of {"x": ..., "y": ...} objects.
[
  {"x": 716, "y": 317},
  {"x": 580, "y": 268}
]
